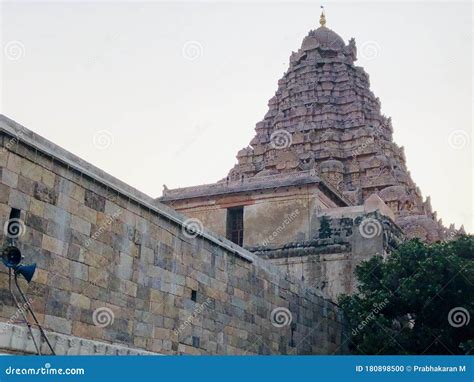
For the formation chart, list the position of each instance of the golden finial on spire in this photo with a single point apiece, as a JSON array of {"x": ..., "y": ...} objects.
[{"x": 322, "y": 18}]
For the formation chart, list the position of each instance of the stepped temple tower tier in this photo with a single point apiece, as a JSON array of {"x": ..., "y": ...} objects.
[{"x": 325, "y": 119}]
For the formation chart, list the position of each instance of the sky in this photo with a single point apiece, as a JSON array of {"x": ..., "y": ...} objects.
[{"x": 163, "y": 92}]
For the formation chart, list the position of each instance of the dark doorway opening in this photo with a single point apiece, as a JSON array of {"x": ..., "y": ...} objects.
[{"x": 235, "y": 225}]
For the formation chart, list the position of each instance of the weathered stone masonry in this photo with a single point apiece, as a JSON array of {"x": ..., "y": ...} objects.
[{"x": 99, "y": 243}]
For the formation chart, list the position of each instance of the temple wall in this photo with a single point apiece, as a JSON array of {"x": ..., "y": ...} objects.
[
  {"x": 211, "y": 217},
  {"x": 277, "y": 220},
  {"x": 101, "y": 246},
  {"x": 284, "y": 225},
  {"x": 331, "y": 273},
  {"x": 329, "y": 259}
]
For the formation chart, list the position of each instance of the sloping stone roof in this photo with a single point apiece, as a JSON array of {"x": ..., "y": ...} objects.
[{"x": 252, "y": 184}]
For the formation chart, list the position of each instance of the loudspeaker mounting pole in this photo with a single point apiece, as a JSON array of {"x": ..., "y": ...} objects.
[
  {"x": 20, "y": 309},
  {"x": 33, "y": 314}
]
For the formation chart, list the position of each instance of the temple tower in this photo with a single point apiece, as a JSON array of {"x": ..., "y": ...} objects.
[{"x": 324, "y": 118}]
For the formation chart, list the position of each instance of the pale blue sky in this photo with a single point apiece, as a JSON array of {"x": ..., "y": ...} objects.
[{"x": 166, "y": 92}]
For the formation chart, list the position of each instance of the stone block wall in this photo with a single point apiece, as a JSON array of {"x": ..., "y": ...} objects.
[
  {"x": 118, "y": 268},
  {"x": 339, "y": 242}
]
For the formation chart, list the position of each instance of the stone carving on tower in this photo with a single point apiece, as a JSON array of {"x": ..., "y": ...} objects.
[{"x": 325, "y": 119}]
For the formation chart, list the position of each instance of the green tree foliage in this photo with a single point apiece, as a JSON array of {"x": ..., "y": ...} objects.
[{"x": 419, "y": 300}]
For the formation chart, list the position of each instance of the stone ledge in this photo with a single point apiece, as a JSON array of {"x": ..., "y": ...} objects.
[
  {"x": 252, "y": 184},
  {"x": 16, "y": 339},
  {"x": 299, "y": 251}
]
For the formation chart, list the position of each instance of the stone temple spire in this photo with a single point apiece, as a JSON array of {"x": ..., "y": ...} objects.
[{"x": 324, "y": 119}]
